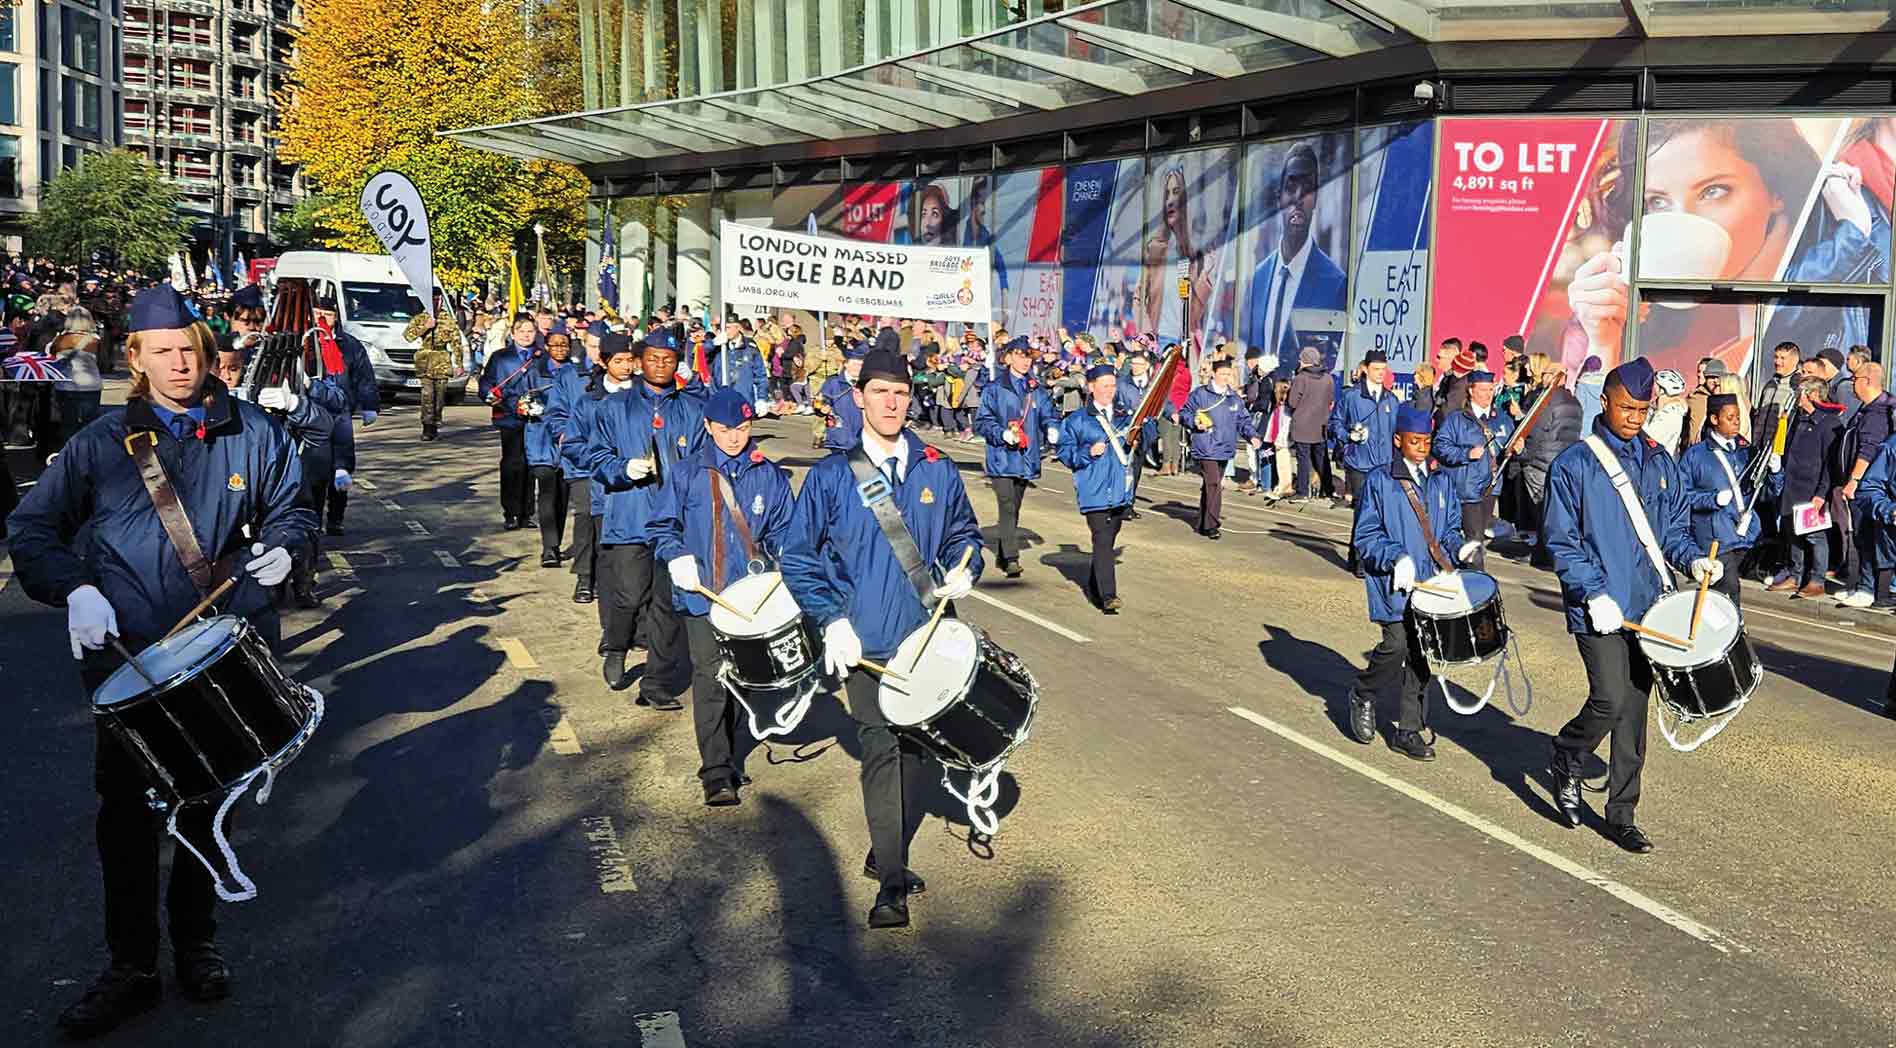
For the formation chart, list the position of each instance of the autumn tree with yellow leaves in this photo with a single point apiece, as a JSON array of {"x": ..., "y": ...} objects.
[{"x": 372, "y": 84}]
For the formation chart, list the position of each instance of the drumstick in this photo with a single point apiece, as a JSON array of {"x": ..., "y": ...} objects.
[
  {"x": 1441, "y": 590},
  {"x": 721, "y": 602},
  {"x": 876, "y": 667},
  {"x": 1663, "y": 638},
  {"x": 130, "y": 660},
  {"x": 765, "y": 599},
  {"x": 1698, "y": 605},
  {"x": 222, "y": 589},
  {"x": 940, "y": 606}
]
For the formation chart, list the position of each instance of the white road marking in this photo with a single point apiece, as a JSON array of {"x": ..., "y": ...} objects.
[
  {"x": 1709, "y": 936},
  {"x": 610, "y": 864},
  {"x": 6, "y": 570},
  {"x": 415, "y": 526},
  {"x": 517, "y": 653},
  {"x": 341, "y": 566},
  {"x": 447, "y": 559},
  {"x": 390, "y": 504},
  {"x": 559, "y": 731},
  {"x": 364, "y": 483},
  {"x": 659, "y": 1030},
  {"x": 1031, "y": 617},
  {"x": 1753, "y": 609}
]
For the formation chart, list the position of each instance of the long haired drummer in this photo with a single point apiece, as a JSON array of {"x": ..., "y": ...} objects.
[
  {"x": 724, "y": 512},
  {"x": 227, "y": 466},
  {"x": 1407, "y": 521},
  {"x": 1611, "y": 547},
  {"x": 841, "y": 565},
  {"x": 1711, "y": 469}
]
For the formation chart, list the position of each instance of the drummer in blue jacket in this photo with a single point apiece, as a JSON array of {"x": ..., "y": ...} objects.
[
  {"x": 1711, "y": 469},
  {"x": 505, "y": 377},
  {"x": 844, "y": 573},
  {"x": 757, "y": 490},
  {"x": 735, "y": 363},
  {"x": 1469, "y": 443},
  {"x": 842, "y": 418},
  {"x": 231, "y": 469},
  {"x": 1364, "y": 426},
  {"x": 1398, "y": 550},
  {"x": 341, "y": 359},
  {"x": 1094, "y": 445},
  {"x": 543, "y": 441},
  {"x": 574, "y": 414},
  {"x": 636, "y": 443},
  {"x": 1217, "y": 417},
  {"x": 1017, "y": 420},
  {"x": 1607, "y": 579}
]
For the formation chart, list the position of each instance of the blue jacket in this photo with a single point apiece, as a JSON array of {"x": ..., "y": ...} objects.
[
  {"x": 1356, "y": 408},
  {"x": 838, "y": 564},
  {"x": 681, "y": 524},
  {"x": 845, "y": 424},
  {"x": 507, "y": 374},
  {"x": 1386, "y": 531},
  {"x": 1457, "y": 435},
  {"x": 562, "y": 404},
  {"x": 645, "y": 421},
  {"x": 1230, "y": 420},
  {"x": 1126, "y": 397},
  {"x": 740, "y": 366},
  {"x": 1008, "y": 400},
  {"x": 1593, "y": 544},
  {"x": 1704, "y": 479},
  {"x": 357, "y": 379},
  {"x": 244, "y": 472},
  {"x": 543, "y": 447},
  {"x": 1877, "y": 490},
  {"x": 1103, "y": 481},
  {"x": 313, "y": 422},
  {"x": 580, "y": 423}
]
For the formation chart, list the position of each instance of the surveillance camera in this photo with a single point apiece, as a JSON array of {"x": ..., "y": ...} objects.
[{"x": 1424, "y": 91}]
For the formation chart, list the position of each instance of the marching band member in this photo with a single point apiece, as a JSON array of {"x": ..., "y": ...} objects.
[
  {"x": 840, "y": 564},
  {"x": 1364, "y": 425},
  {"x": 1132, "y": 389},
  {"x": 1216, "y": 416},
  {"x": 1093, "y": 444},
  {"x": 709, "y": 538},
  {"x": 543, "y": 444},
  {"x": 1611, "y": 547},
  {"x": 736, "y": 364},
  {"x": 636, "y": 443},
  {"x": 1877, "y": 490},
  {"x": 1469, "y": 443},
  {"x": 1711, "y": 468},
  {"x": 342, "y": 360},
  {"x": 1015, "y": 414},
  {"x": 571, "y": 409},
  {"x": 842, "y": 424},
  {"x": 228, "y": 467},
  {"x": 1407, "y": 519},
  {"x": 507, "y": 375}
]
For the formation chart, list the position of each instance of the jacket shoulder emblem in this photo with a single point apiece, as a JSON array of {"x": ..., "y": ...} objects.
[{"x": 928, "y": 496}]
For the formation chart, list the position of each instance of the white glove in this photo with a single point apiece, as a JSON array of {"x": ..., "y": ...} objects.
[
  {"x": 1605, "y": 615},
  {"x": 1724, "y": 498},
  {"x": 1466, "y": 554},
  {"x": 955, "y": 585},
  {"x": 1053, "y": 435},
  {"x": 279, "y": 398},
  {"x": 639, "y": 468},
  {"x": 1010, "y": 438},
  {"x": 842, "y": 649},
  {"x": 1705, "y": 569},
  {"x": 1402, "y": 579},
  {"x": 89, "y": 619},
  {"x": 1358, "y": 434},
  {"x": 762, "y": 407},
  {"x": 684, "y": 573},
  {"x": 368, "y": 419},
  {"x": 1774, "y": 462},
  {"x": 271, "y": 566},
  {"x": 343, "y": 480},
  {"x": 536, "y": 408}
]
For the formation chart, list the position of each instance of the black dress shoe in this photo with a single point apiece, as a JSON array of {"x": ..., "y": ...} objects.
[
  {"x": 1362, "y": 720},
  {"x": 202, "y": 971},
  {"x": 614, "y": 671},
  {"x": 583, "y": 592},
  {"x": 661, "y": 701},
  {"x": 1629, "y": 837},
  {"x": 119, "y": 994},
  {"x": 549, "y": 560},
  {"x": 912, "y": 880},
  {"x": 507, "y": 522},
  {"x": 334, "y": 528},
  {"x": 1567, "y": 795},
  {"x": 305, "y": 597},
  {"x": 1111, "y": 605},
  {"x": 1212, "y": 534},
  {"x": 890, "y": 910},
  {"x": 721, "y": 793},
  {"x": 1132, "y": 514},
  {"x": 1411, "y": 745},
  {"x": 1011, "y": 568}
]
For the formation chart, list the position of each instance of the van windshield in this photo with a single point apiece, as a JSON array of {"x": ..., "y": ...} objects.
[{"x": 380, "y": 303}]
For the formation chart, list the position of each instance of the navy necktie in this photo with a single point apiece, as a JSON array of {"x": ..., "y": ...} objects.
[
  {"x": 1277, "y": 313},
  {"x": 891, "y": 469},
  {"x": 184, "y": 427}
]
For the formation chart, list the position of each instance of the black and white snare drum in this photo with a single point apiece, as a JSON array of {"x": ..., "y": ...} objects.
[
  {"x": 1713, "y": 677},
  {"x": 1462, "y": 627},
  {"x": 771, "y": 660}
]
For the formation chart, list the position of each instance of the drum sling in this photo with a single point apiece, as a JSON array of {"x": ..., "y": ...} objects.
[
  {"x": 1440, "y": 556},
  {"x": 721, "y": 505}
]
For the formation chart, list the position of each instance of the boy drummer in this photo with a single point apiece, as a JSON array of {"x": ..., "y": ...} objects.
[
  {"x": 724, "y": 507},
  {"x": 1399, "y": 548}
]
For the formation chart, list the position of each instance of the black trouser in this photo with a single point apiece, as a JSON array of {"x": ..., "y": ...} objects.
[
  {"x": 1310, "y": 465},
  {"x": 516, "y": 481},
  {"x": 891, "y": 772},
  {"x": 552, "y": 493},
  {"x": 1008, "y": 492},
  {"x": 434, "y": 393},
  {"x": 1728, "y": 584},
  {"x": 319, "y": 486},
  {"x": 1356, "y": 480},
  {"x": 585, "y": 528},
  {"x": 633, "y": 583},
  {"x": 1397, "y": 658},
  {"x": 1138, "y": 470},
  {"x": 1211, "y": 473},
  {"x": 1619, "y": 681},
  {"x": 1104, "y": 526},
  {"x": 713, "y": 712},
  {"x": 1476, "y": 516}
]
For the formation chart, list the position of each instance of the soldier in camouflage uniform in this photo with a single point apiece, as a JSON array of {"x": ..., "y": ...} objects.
[{"x": 442, "y": 355}]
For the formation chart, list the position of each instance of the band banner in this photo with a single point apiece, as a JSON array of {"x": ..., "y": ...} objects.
[
  {"x": 392, "y": 205},
  {"x": 784, "y": 270}
]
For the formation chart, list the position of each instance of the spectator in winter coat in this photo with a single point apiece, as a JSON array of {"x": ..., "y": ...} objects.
[
  {"x": 1864, "y": 434},
  {"x": 1553, "y": 432},
  {"x": 1806, "y": 480},
  {"x": 1311, "y": 394}
]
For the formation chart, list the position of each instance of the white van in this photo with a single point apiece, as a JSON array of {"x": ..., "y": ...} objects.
[{"x": 373, "y": 303}]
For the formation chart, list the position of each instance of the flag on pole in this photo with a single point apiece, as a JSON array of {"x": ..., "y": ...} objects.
[
  {"x": 240, "y": 270},
  {"x": 542, "y": 285},
  {"x": 33, "y": 367},
  {"x": 177, "y": 272},
  {"x": 515, "y": 296},
  {"x": 608, "y": 266}
]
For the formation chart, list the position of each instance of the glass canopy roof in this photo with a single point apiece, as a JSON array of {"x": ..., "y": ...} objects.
[{"x": 1118, "y": 48}]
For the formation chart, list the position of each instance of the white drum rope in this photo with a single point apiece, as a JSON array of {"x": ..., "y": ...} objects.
[
  {"x": 788, "y": 716},
  {"x": 1501, "y": 675},
  {"x": 984, "y": 788},
  {"x": 1723, "y": 720}
]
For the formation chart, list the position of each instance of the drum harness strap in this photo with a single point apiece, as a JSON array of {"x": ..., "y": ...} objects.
[
  {"x": 1440, "y": 557},
  {"x": 790, "y": 715},
  {"x": 984, "y": 786}
]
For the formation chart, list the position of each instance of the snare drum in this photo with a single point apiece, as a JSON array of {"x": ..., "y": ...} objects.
[
  {"x": 1462, "y": 629},
  {"x": 1719, "y": 671},
  {"x": 770, "y": 660},
  {"x": 222, "y": 710},
  {"x": 967, "y": 700}
]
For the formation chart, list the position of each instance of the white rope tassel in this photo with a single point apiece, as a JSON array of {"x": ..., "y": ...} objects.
[
  {"x": 788, "y": 716},
  {"x": 1501, "y": 675},
  {"x": 1723, "y": 720},
  {"x": 984, "y": 788}
]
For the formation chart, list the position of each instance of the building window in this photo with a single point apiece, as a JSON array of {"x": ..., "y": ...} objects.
[
  {"x": 7, "y": 36},
  {"x": 10, "y": 166},
  {"x": 9, "y": 93},
  {"x": 82, "y": 107},
  {"x": 81, "y": 36}
]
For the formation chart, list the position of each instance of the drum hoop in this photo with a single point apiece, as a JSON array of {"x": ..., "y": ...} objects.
[
  {"x": 729, "y": 677},
  {"x": 1455, "y": 616},
  {"x": 172, "y": 682},
  {"x": 1501, "y": 619}
]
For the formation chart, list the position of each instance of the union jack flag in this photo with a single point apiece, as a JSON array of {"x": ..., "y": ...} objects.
[{"x": 33, "y": 367}]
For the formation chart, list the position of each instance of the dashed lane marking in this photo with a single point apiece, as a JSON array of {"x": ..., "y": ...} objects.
[
  {"x": 659, "y": 1030},
  {"x": 364, "y": 483},
  {"x": 447, "y": 559},
  {"x": 559, "y": 732},
  {"x": 611, "y": 867},
  {"x": 6, "y": 570},
  {"x": 1044, "y": 624},
  {"x": 517, "y": 653},
  {"x": 1645, "y": 903},
  {"x": 415, "y": 526},
  {"x": 339, "y": 565},
  {"x": 390, "y": 505}
]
